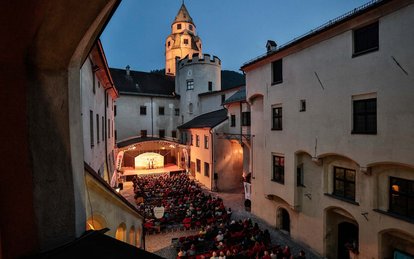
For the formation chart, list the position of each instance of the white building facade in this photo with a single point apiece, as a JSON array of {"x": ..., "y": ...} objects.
[{"x": 332, "y": 119}]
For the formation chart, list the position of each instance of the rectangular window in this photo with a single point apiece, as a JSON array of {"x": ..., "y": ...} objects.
[
  {"x": 161, "y": 110},
  {"x": 161, "y": 133},
  {"x": 97, "y": 128},
  {"x": 206, "y": 142},
  {"x": 197, "y": 140},
  {"x": 365, "y": 116},
  {"x": 299, "y": 176},
  {"x": 278, "y": 173},
  {"x": 232, "y": 120},
  {"x": 277, "y": 72},
  {"x": 223, "y": 98},
  {"x": 402, "y": 197},
  {"x": 114, "y": 110},
  {"x": 344, "y": 183},
  {"x": 277, "y": 118},
  {"x": 143, "y": 110},
  {"x": 91, "y": 131},
  {"x": 177, "y": 112},
  {"x": 109, "y": 128},
  {"x": 302, "y": 107},
  {"x": 179, "y": 26},
  {"x": 183, "y": 137},
  {"x": 366, "y": 39},
  {"x": 192, "y": 138},
  {"x": 93, "y": 82},
  {"x": 143, "y": 133},
  {"x": 210, "y": 86},
  {"x": 206, "y": 169},
  {"x": 107, "y": 100},
  {"x": 103, "y": 129},
  {"x": 190, "y": 84},
  {"x": 198, "y": 165},
  {"x": 174, "y": 134},
  {"x": 185, "y": 41},
  {"x": 245, "y": 118}
]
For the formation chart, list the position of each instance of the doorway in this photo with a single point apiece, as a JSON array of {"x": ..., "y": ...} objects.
[{"x": 347, "y": 239}]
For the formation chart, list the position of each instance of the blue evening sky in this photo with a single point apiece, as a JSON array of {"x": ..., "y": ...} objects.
[{"x": 234, "y": 30}]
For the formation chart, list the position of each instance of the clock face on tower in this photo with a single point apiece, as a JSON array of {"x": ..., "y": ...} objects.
[{"x": 190, "y": 72}]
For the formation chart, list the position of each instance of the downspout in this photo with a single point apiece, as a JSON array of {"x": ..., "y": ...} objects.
[
  {"x": 106, "y": 135},
  {"x": 241, "y": 123},
  {"x": 152, "y": 119},
  {"x": 213, "y": 166}
]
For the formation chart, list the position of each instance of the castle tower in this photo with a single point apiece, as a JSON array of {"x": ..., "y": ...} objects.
[{"x": 182, "y": 41}]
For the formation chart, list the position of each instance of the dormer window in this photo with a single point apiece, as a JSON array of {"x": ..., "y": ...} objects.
[{"x": 179, "y": 26}]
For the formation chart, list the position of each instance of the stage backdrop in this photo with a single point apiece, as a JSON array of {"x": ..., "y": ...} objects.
[{"x": 149, "y": 161}]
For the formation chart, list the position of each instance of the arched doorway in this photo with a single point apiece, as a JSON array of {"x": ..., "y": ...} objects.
[
  {"x": 283, "y": 220},
  {"x": 120, "y": 233},
  {"x": 347, "y": 238},
  {"x": 132, "y": 235},
  {"x": 341, "y": 231}
]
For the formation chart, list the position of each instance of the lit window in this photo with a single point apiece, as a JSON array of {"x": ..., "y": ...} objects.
[
  {"x": 278, "y": 173},
  {"x": 402, "y": 197}
]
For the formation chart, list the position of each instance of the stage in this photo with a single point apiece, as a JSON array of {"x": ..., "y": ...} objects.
[{"x": 129, "y": 172}]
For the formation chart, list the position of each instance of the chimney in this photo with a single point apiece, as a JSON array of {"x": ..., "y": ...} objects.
[
  {"x": 127, "y": 69},
  {"x": 271, "y": 46}
]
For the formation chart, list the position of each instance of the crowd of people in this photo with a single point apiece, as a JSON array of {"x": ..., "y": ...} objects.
[
  {"x": 234, "y": 239},
  {"x": 182, "y": 199},
  {"x": 185, "y": 205}
]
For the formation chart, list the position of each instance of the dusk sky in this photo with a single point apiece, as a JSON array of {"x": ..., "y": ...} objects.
[{"x": 234, "y": 30}]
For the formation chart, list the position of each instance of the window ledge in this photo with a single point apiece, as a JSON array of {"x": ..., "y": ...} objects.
[
  {"x": 342, "y": 199},
  {"x": 363, "y": 133},
  {"x": 394, "y": 215},
  {"x": 276, "y": 129},
  {"x": 279, "y": 182},
  {"x": 365, "y": 52},
  {"x": 277, "y": 82}
]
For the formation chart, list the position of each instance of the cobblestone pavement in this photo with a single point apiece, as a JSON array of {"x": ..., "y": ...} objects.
[{"x": 161, "y": 244}]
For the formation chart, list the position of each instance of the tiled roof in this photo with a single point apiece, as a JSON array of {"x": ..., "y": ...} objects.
[
  {"x": 138, "y": 82},
  {"x": 207, "y": 120},
  {"x": 183, "y": 15},
  {"x": 237, "y": 97}
]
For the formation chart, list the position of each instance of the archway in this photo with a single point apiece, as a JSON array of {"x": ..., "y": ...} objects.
[
  {"x": 132, "y": 235},
  {"x": 120, "y": 233},
  {"x": 95, "y": 222},
  {"x": 347, "y": 239},
  {"x": 138, "y": 237},
  {"x": 341, "y": 233},
  {"x": 395, "y": 243},
  {"x": 283, "y": 220}
]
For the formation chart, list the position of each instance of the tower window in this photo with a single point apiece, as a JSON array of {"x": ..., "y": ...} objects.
[
  {"x": 185, "y": 41},
  {"x": 190, "y": 84},
  {"x": 210, "y": 86},
  {"x": 169, "y": 43},
  {"x": 191, "y": 27},
  {"x": 179, "y": 26}
]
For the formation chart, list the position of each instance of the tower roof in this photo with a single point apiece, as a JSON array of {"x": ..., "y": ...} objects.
[{"x": 183, "y": 15}]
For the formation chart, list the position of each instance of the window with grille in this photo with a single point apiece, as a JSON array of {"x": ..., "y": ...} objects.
[
  {"x": 277, "y": 118},
  {"x": 278, "y": 172},
  {"x": 365, "y": 116},
  {"x": 402, "y": 197},
  {"x": 344, "y": 183}
]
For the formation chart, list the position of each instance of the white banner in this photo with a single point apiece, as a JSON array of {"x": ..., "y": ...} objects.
[
  {"x": 159, "y": 212},
  {"x": 247, "y": 190},
  {"x": 119, "y": 158}
]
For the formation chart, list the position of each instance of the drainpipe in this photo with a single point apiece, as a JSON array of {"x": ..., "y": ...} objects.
[
  {"x": 213, "y": 164},
  {"x": 152, "y": 118},
  {"x": 106, "y": 135}
]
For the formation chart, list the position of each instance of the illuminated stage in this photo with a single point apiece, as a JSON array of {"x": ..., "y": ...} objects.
[{"x": 157, "y": 171}]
